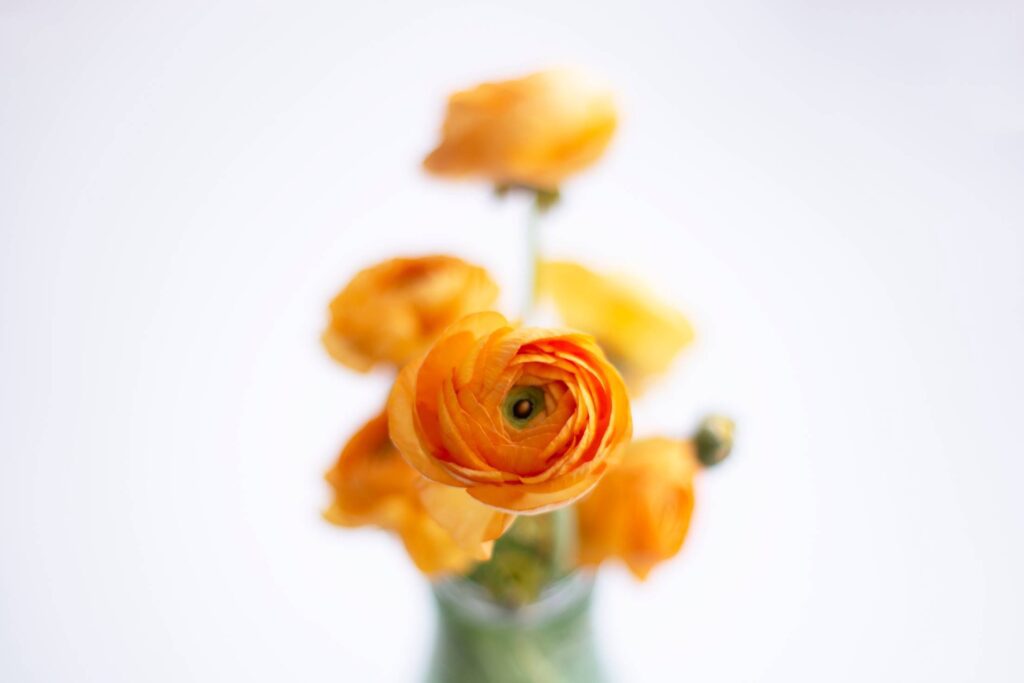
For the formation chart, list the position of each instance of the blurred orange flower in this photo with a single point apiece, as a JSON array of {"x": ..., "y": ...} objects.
[
  {"x": 641, "y": 334},
  {"x": 640, "y": 512},
  {"x": 374, "y": 486},
  {"x": 505, "y": 420},
  {"x": 533, "y": 131},
  {"x": 391, "y": 312}
]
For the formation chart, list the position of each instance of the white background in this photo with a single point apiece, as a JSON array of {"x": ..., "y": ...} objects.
[{"x": 832, "y": 191}]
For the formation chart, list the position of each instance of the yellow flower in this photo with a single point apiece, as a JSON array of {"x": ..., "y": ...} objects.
[
  {"x": 374, "y": 486},
  {"x": 641, "y": 334},
  {"x": 505, "y": 420},
  {"x": 640, "y": 512},
  {"x": 391, "y": 312},
  {"x": 533, "y": 131}
]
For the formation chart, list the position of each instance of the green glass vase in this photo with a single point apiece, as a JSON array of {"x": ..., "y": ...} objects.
[{"x": 549, "y": 640}]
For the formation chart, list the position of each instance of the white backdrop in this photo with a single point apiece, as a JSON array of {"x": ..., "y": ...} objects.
[{"x": 832, "y": 191}]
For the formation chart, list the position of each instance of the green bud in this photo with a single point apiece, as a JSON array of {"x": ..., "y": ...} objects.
[{"x": 714, "y": 439}]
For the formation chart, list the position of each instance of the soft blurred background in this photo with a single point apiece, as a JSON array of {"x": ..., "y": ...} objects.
[{"x": 832, "y": 191}]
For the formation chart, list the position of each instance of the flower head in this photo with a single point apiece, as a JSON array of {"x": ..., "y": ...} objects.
[
  {"x": 508, "y": 420},
  {"x": 640, "y": 512},
  {"x": 533, "y": 131},
  {"x": 392, "y": 311}
]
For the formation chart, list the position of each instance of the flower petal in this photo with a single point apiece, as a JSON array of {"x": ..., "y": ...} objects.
[{"x": 469, "y": 523}]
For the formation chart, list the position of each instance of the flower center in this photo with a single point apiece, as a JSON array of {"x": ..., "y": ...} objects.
[
  {"x": 522, "y": 404},
  {"x": 522, "y": 408}
]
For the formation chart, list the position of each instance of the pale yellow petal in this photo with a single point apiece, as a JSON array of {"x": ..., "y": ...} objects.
[
  {"x": 470, "y": 523},
  {"x": 640, "y": 332}
]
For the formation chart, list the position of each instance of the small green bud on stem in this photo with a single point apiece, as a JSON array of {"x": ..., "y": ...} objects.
[{"x": 714, "y": 439}]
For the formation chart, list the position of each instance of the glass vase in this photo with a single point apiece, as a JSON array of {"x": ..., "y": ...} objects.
[{"x": 549, "y": 640}]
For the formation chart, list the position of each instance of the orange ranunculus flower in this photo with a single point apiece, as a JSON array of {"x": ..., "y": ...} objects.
[
  {"x": 533, "y": 131},
  {"x": 640, "y": 512},
  {"x": 391, "y": 312},
  {"x": 374, "y": 486},
  {"x": 641, "y": 334},
  {"x": 505, "y": 420}
]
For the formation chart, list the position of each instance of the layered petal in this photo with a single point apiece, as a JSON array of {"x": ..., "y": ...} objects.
[
  {"x": 371, "y": 482},
  {"x": 432, "y": 549},
  {"x": 640, "y": 512},
  {"x": 374, "y": 486},
  {"x": 391, "y": 312},
  {"x": 471, "y": 524},
  {"x": 505, "y": 420},
  {"x": 533, "y": 131}
]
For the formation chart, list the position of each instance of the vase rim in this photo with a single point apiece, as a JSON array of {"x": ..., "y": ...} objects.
[{"x": 472, "y": 601}]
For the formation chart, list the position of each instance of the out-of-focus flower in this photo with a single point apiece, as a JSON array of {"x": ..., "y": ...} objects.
[
  {"x": 640, "y": 512},
  {"x": 641, "y": 334},
  {"x": 533, "y": 131},
  {"x": 372, "y": 483},
  {"x": 505, "y": 420},
  {"x": 374, "y": 486},
  {"x": 391, "y": 312}
]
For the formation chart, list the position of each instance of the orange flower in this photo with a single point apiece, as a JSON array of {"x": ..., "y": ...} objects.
[
  {"x": 641, "y": 334},
  {"x": 640, "y": 512},
  {"x": 374, "y": 486},
  {"x": 391, "y": 312},
  {"x": 533, "y": 131},
  {"x": 505, "y": 420}
]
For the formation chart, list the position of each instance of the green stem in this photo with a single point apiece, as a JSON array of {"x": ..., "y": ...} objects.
[
  {"x": 534, "y": 553},
  {"x": 533, "y": 221}
]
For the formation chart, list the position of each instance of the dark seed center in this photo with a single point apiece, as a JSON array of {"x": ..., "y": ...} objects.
[{"x": 522, "y": 408}]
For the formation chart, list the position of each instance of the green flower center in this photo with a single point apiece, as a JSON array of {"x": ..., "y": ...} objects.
[{"x": 522, "y": 404}]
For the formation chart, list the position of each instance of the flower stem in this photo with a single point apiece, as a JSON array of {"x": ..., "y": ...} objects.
[
  {"x": 534, "y": 553},
  {"x": 533, "y": 221}
]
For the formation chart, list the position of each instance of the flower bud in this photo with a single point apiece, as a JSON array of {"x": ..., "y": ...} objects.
[{"x": 714, "y": 438}]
